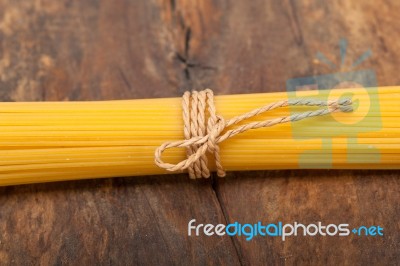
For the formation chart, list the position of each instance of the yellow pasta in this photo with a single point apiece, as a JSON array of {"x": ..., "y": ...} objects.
[{"x": 54, "y": 141}]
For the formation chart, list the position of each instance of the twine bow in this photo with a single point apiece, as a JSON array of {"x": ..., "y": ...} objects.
[{"x": 202, "y": 137}]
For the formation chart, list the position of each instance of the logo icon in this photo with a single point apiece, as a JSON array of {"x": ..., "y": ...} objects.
[{"x": 366, "y": 116}]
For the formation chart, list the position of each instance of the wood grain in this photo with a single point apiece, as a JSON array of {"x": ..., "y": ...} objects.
[
  {"x": 267, "y": 43},
  {"x": 89, "y": 50}
]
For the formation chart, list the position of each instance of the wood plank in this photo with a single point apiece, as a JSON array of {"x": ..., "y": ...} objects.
[
  {"x": 89, "y": 50},
  {"x": 265, "y": 43},
  {"x": 97, "y": 50}
]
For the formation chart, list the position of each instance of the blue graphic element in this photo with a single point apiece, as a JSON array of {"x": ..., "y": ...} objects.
[
  {"x": 321, "y": 57},
  {"x": 362, "y": 58},
  {"x": 369, "y": 121},
  {"x": 343, "y": 50},
  {"x": 368, "y": 231}
]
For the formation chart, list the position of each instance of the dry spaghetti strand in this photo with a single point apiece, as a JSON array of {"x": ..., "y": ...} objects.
[{"x": 54, "y": 141}]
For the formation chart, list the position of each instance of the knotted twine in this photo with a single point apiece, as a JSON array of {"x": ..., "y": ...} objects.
[{"x": 202, "y": 137}]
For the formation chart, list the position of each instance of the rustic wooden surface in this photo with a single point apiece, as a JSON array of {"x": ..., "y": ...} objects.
[{"x": 89, "y": 50}]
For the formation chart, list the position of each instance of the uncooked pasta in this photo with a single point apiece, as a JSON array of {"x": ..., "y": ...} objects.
[{"x": 54, "y": 141}]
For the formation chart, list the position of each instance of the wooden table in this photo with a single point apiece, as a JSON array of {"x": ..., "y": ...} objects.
[{"x": 92, "y": 50}]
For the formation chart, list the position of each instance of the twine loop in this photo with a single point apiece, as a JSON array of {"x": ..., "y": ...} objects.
[{"x": 204, "y": 129}]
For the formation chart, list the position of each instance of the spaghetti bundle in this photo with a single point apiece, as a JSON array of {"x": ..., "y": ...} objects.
[{"x": 54, "y": 141}]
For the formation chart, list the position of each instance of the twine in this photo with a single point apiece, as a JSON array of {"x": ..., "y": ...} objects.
[{"x": 202, "y": 137}]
